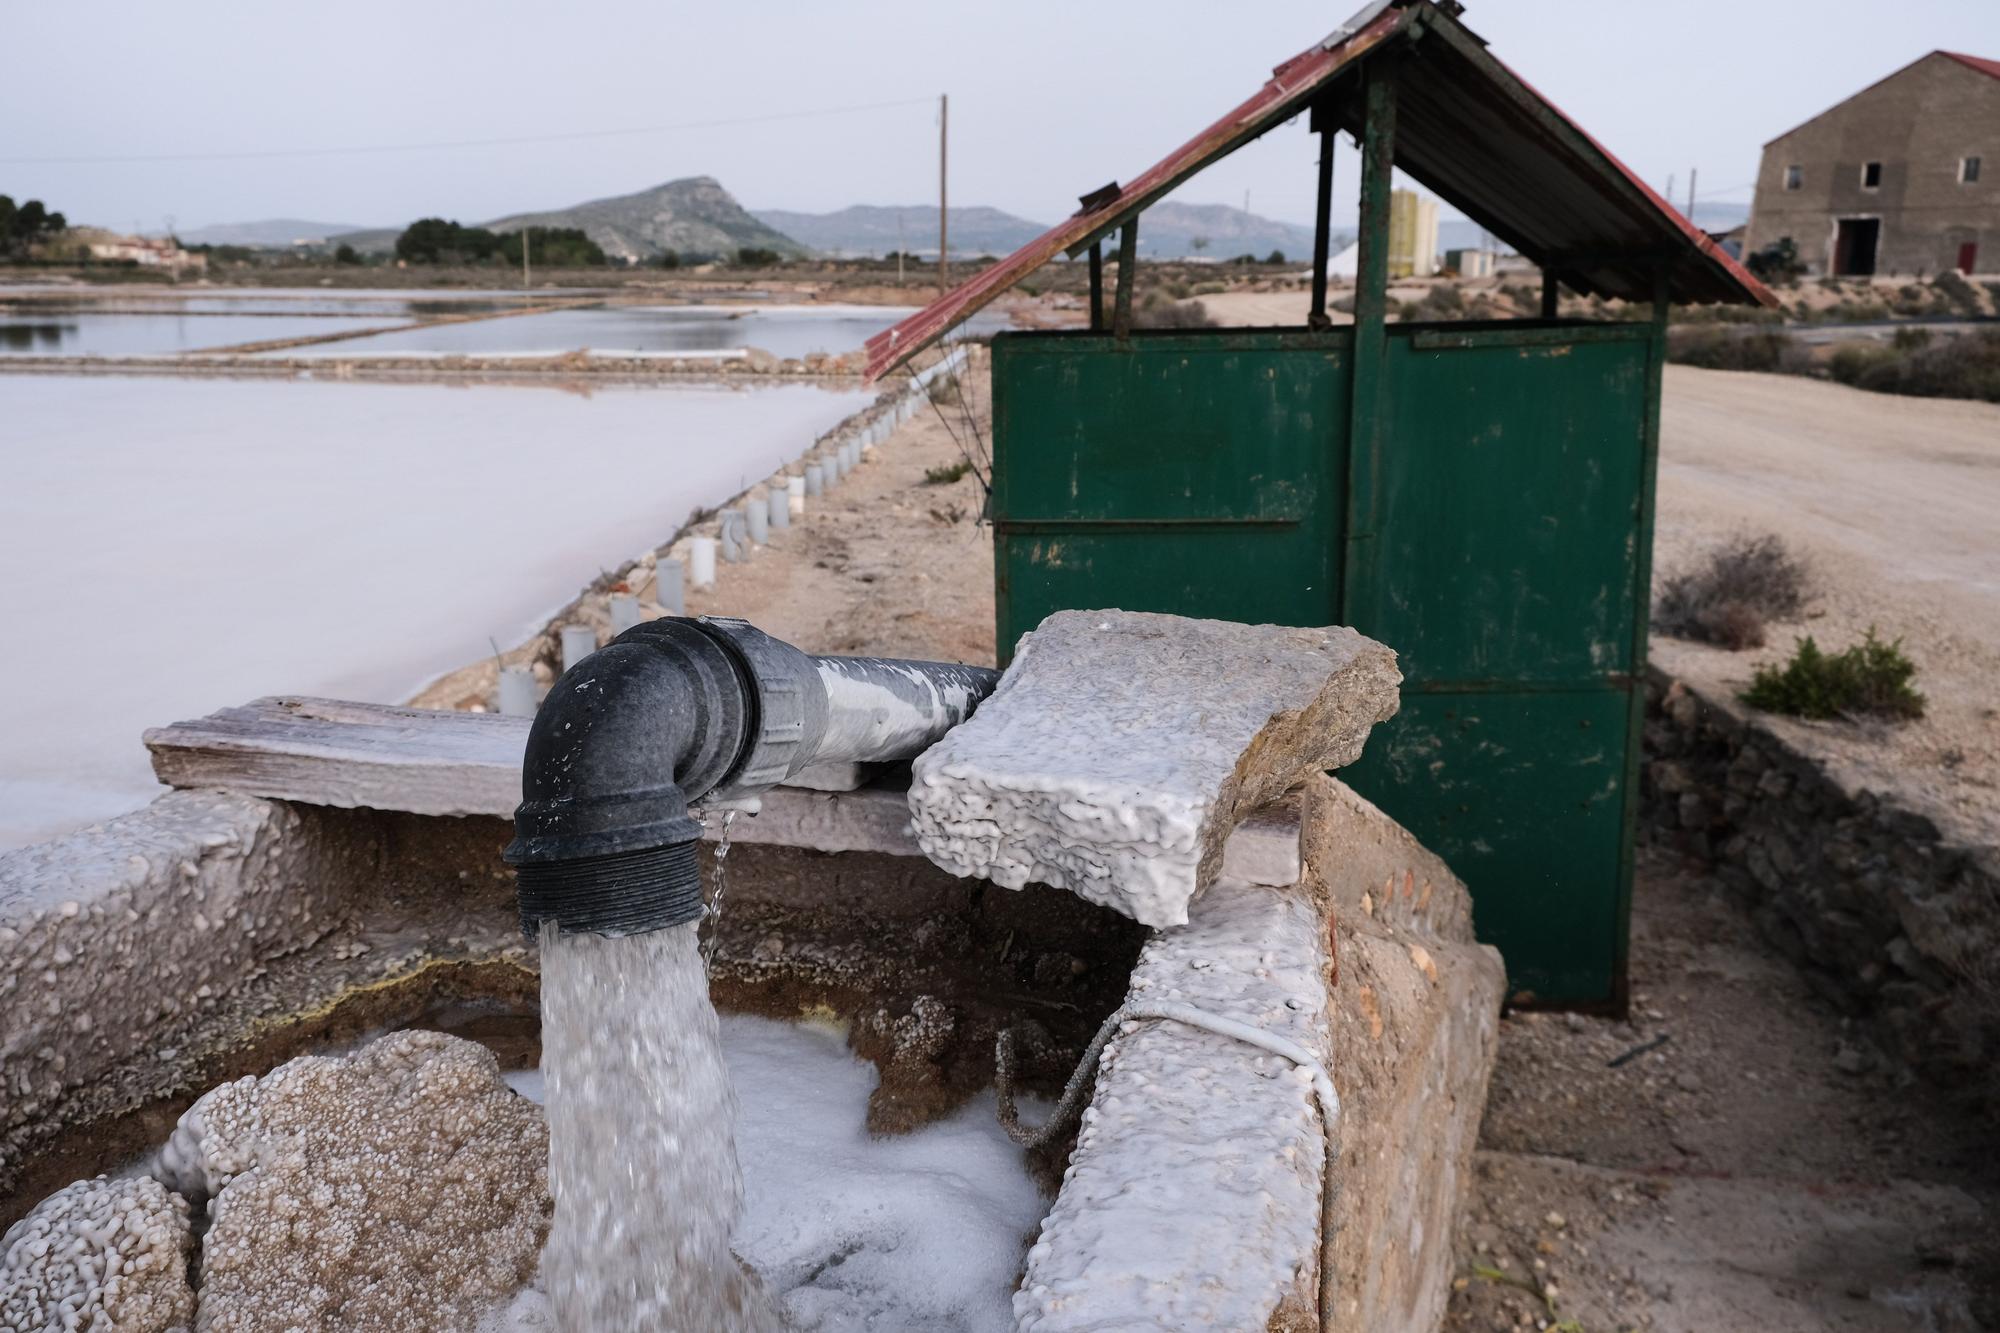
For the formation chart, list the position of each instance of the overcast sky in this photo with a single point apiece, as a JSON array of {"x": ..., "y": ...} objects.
[{"x": 1049, "y": 98}]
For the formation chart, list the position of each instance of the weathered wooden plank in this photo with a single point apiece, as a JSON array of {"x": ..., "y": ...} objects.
[{"x": 429, "y": 761}]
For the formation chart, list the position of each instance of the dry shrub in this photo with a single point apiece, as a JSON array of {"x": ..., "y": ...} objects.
[
  {"x": 1727, "y": 599},
  {"x": 1714, "y": 347}
]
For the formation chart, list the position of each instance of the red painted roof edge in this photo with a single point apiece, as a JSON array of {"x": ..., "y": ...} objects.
[
  {"x": 1980, "y": 63},
  {"x": 1303, "y": 73},
  {"x": 1700, "y": 239}
]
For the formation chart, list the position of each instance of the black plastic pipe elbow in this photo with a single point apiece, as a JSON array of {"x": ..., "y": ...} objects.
[{"x": 676, "y": 710}]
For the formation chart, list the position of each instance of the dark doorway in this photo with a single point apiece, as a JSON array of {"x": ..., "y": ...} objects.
[
  {"x": 1968, "y": 255},
  {"x": 1854, "y": 246}
]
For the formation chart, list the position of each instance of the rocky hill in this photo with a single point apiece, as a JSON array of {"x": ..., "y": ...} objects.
[{"x": 695, "y": 216}]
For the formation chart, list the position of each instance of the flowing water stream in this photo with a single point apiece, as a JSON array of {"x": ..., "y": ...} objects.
[{"x": 642, "y": 1155}]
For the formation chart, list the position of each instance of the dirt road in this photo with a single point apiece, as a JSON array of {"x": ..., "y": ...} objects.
[{"x": 1895, "y": 504}]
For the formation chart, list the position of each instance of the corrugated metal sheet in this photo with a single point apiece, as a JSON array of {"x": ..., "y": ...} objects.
[{"x": 1467, "y": 127}]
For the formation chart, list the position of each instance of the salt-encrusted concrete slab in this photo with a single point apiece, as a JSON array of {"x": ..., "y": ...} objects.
[
  {"x": 1194, "y": 1196},
  {"x": 1122, "y": 747},
  {"x": 1192, "y": 1199}
]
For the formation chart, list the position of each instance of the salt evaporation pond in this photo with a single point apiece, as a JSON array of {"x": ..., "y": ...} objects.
[
  {"x": 854, "y": 1232},
  {"x": 783, "y": 331},
  {"x": 173, "y": 546},
  {"x": 86, "y": 332}
]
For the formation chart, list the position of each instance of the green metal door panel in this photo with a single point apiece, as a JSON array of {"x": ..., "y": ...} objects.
[
  {"x": 1523, "y": 794},
  {"x": 1188, "y": 473},
  {"x": 1222, "y": 572},
  {"x": 1497, "y": 535}
]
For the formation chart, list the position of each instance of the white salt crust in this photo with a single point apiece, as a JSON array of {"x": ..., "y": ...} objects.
[
  {"x": 1121, "y": 747},
  {"x": 1230, "y": 1227},
  {"x": 99, "y": 1255}
]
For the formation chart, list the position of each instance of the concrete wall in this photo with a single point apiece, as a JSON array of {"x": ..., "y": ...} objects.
[{"x": 1918, "y": 123}]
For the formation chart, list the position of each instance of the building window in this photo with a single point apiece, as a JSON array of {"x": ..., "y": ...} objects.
[
  {"x": 1968, "y": 171},
  {"x": 1871, "y": 176},
  {"x": 1795, "y": 178}
]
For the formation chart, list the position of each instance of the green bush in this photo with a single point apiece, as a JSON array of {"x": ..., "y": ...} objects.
[
  {"x": 751, "y": 256},
  {"x": 1872, "y": 677},
  {"x": 944, "y": 476}
]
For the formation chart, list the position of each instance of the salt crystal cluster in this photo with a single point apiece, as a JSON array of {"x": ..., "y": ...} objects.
[
  {"x": 404, "y": 1187},
  {"x": 1122, "y": 748},
  {"x": 99, "y": 1256}
]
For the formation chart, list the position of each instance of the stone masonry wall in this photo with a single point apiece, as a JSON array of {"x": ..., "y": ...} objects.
[{"x": 1887, "y": 920}]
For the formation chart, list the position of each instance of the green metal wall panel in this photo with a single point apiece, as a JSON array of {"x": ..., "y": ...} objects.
[
  {"x": 1493, "y": 529},
  {"x": 1498, "y": 537},
  {"x": 1172, "y": 472},
  {"x": 1523, "y": 795}
]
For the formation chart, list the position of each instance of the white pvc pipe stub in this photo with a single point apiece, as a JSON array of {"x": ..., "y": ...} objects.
[
  {"x": 667, "y": 576},
  {"x": 795, "y": 494},
  {"x": 517, "y": 692},
  {"x": 778, "y": 506},
  {"x": 578, "y": 642},
  {"x": 701, "y": 562},
  {"x": 624, "y": 612}
]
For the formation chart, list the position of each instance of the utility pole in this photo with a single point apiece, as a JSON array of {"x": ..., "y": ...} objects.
[
  {"x": 1692, "y": 173},
  {"x": 1671, "y": 178},
  {"x": 526, "y": 281},
  {"x": 944, "y": 235}
]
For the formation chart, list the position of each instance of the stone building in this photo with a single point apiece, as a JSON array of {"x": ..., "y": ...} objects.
[{"x": 1901, "y": 178}]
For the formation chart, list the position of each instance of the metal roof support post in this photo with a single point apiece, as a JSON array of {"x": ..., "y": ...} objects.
[
  {"x": 1323, "y": 122},
  {"x": 1551, "y": 293},
  {"x": 1366, "y": 436},
  {"x": 1097, "y": 286},
  {"x": 1128, "y": 265}
]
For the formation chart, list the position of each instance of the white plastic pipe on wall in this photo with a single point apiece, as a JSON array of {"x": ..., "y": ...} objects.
[
  {"x": 778, "y": 507},
  {"x": 757, "y": 521},
  {"x": 815, "y": 480},
  {"x": 624, "y": 612},
  {"x": 795, "y": 490}
]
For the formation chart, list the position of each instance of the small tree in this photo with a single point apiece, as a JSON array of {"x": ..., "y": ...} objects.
[
  {"x": 1275, "y": 257},
  {"x": 346, "y": 254},
  {"x": 1198, "y": 244}
]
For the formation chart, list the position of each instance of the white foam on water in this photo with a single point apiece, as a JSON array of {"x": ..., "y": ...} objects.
[{"x": 914, "y": 1232}]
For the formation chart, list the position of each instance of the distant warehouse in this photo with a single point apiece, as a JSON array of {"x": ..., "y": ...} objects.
[{"x": 1902, "y": 177}]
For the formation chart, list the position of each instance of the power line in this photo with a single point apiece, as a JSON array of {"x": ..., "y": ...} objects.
[{"x": 448, "y": 144}]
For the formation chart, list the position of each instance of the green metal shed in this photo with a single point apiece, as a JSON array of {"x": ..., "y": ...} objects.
[{"x": 1478, "y": 496}]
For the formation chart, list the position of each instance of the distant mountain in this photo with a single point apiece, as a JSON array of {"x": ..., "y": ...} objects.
[
  {"x": 1168, "y": 230},
  {"x": 270, "y": 234},
  {"x": 873, "y": 230},
  {"x": 695, "y": 216}
]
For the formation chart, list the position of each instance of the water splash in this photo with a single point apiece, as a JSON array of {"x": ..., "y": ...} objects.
[
  {"x": 721, "y": 884},
  {"x": 642, "y": 1158}
]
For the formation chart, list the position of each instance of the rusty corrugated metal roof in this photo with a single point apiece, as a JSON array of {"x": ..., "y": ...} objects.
[{"x": 1467, "y": 127}]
